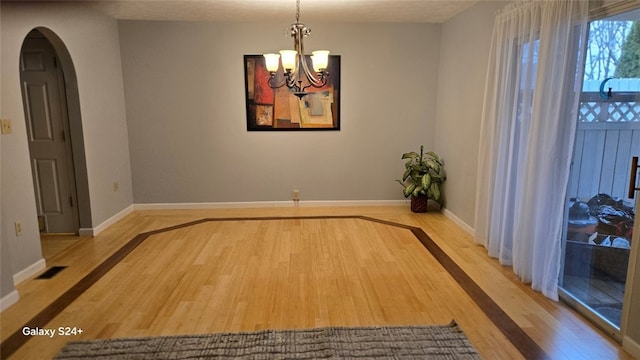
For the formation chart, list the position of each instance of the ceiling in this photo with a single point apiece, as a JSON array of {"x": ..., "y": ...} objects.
[{"x": 337, "y": 11}]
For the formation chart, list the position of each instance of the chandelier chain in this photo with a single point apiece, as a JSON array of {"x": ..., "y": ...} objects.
[{"x": 297, "y": 11}]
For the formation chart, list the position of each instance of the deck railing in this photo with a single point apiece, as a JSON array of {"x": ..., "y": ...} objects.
[{"x": 608, "y": 136}]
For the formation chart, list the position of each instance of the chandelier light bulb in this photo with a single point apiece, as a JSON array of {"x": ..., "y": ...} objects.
[
  {"x": 289, "y": 59},
  {"x": 272, "y": 62},
  {"x": 320, "y": 59}
]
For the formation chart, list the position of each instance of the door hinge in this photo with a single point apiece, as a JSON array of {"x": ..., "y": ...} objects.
[
  {"x": 55, "y": 62},
  {"x": 64, "y": 136},
  {"x": 71, "y": 201}
]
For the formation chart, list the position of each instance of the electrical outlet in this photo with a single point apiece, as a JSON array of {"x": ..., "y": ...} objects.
[
  {"x": 296, "y": 195},
  {"x": 6, "y": 126},
  {"x": 18, "y": 228}
]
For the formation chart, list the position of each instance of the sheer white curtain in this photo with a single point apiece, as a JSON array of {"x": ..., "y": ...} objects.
[{"x": 528, "y": 129}]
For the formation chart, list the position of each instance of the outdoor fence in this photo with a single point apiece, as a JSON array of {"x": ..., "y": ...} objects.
[{"x": 608, "y": 136}]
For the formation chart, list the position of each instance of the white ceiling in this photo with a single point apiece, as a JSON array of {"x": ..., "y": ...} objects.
[{"x": 420, "y": 11}]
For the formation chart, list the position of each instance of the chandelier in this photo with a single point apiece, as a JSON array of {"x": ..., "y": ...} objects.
[{"x": 298, "y": 75}]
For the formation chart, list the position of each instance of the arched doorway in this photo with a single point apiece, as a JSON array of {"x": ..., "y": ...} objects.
[{"x": 54, "y": 132}]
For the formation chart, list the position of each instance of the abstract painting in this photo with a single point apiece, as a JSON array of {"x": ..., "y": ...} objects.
[{"x": 270, "y": 109}]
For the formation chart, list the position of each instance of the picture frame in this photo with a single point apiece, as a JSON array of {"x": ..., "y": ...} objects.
[{"x": 279, "y": 109}]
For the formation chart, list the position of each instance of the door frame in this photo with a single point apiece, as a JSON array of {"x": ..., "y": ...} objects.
[
  {"x": 75, "y": 127},
  {"x": 631, "y": 286}
]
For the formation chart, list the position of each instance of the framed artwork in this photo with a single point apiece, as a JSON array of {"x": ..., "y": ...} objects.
[{"x": 279, "y": 109}]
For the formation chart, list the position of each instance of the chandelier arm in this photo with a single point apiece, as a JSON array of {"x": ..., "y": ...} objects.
[
  {"x": 272, "y": 84},
  {"x": 322, "y": 83},
  {"x": 291, "y": 80},
  {"x": 316, "y": 82},
  {"x": 302, "y": 58}
]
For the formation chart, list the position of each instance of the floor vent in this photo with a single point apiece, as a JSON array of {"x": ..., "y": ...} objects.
[{"x": 51, "y": 272}]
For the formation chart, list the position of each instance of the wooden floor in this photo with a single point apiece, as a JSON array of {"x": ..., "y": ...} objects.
[
  {"x": 245, "y": 275},
  {"x": 52, "y": 245}
]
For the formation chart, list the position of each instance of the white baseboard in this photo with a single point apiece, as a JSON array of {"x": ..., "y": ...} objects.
[
  {"x": 105, "y": 224},
  {"x": 267, "y": 204},
  {"x": 9, "y": 300},
  {"x": 29, "y": 271},
  {"x": 459, "y": 222},
  {"x": 632, "y": 347},
  {"x": 344, "y": 203},
  {"x": 85, "y": 232},
  {"x": 214, "y": 205}
]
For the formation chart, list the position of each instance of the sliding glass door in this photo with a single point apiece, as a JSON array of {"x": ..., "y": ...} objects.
[{"x": 600, "y": 215}]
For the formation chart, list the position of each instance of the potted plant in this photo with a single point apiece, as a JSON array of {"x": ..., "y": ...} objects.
[{"x": 422, "y": 179}]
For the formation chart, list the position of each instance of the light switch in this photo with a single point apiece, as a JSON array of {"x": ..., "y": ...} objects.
[{"x": 6, "y": 126}]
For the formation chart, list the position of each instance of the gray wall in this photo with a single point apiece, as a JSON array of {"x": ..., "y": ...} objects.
[
  {"x": 464, "y": 53},
  {"x": 184, "y": 85},
  {"x": 92, "y": 41}
]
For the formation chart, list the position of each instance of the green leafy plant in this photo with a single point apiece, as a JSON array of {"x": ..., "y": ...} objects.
[{"x": 423, "y": 175}]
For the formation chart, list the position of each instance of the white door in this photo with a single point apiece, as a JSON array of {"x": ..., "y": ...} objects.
[{"x": 48, "y": 135}]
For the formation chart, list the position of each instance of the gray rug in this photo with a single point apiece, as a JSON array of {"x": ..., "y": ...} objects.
[{"x": 388, "y": 342}]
